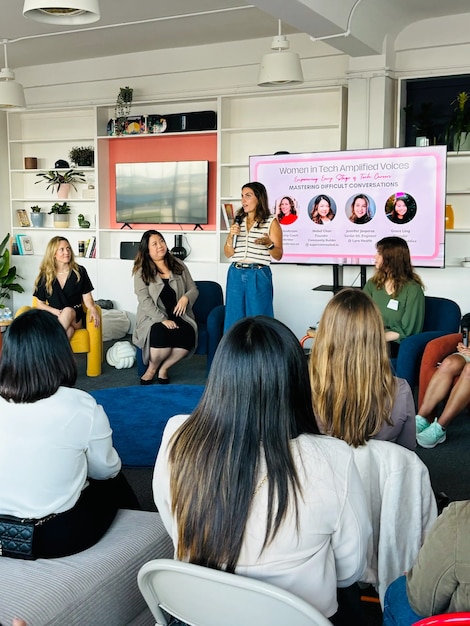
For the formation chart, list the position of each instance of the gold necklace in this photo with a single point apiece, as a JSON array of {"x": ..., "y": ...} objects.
[{"x": 261, "y": 483}]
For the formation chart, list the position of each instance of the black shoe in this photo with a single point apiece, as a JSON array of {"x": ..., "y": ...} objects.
[
  {"x": 146, "y": 382},
  {"x": 163, "y": 381}
]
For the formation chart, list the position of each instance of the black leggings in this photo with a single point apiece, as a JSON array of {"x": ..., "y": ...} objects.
[{"x": 82, "y": 526}]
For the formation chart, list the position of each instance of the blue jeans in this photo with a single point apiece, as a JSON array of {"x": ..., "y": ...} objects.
[
  {"x": 249, "y": 292},
  {"x": 397, "y": 610}
]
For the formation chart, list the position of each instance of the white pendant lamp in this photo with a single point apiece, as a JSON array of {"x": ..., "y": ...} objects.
[
  {"x": 11, "y": 92},
  {"x": 66, "y": 12},
  {"x": 280, "y": 67}
]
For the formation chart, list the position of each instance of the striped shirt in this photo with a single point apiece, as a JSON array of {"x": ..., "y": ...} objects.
[{"x": 247, "y": 250}]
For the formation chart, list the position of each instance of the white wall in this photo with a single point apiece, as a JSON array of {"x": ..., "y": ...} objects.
[{"x": 232, "y": 68}]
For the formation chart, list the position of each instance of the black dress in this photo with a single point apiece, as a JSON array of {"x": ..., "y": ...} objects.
[
  {"x": 68, "y": 295},
  {"x": 163, "y": 337}
]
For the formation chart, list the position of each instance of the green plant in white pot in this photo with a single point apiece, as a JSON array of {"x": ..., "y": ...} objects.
[
  {"x": 61, "y": 212},
  {"x": 37, "y": 217},
  {"x": 8, "y": 275},
  {"x": 61, "y": 181}
]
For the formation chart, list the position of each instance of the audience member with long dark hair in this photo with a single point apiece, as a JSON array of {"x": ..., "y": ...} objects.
[
  {"x": 355, "y": 394},
  {"x": 397, "y": 290},
  {"x": 57, "y": 461},
  {"x": 247, "y": 485},
  {"x": 62, "y": 285},
  {"x": 165, "y": 327}
]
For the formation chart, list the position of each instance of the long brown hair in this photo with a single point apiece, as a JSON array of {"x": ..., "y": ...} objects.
[
  {"x": 143, "y": 260},
  {"x": 47, "y": 269},
  {"x": 353, "y": 386},
  {"x": 396, "y": 265}
]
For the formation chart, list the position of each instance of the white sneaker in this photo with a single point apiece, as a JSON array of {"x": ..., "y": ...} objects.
[
  {"x": 431, "y": 436},
  {"x": 421, "y": 424}
]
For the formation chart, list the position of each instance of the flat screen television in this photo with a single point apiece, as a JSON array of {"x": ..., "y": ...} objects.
[
  {"x": 337, "y": 205},
  {"x": 167, "y": 192}
]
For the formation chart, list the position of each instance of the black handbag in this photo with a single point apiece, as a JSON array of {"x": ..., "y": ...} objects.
[{"x": 16, "y": 537}]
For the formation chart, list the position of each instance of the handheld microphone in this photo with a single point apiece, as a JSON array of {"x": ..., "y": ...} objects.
[{"x": 238, "y": 220}]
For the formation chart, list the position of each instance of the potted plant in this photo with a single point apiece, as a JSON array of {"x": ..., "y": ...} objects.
[
  {"x": 62, "y": 181},
  {"x": 61, "y": 212},
  {"x": 122, "y": 108},
  {"x": 8, "y": 275},
  {"x": 83, "y": 156},
  {"x": 458, "y": 131},
  {"x": 37, "y": 218},
  {"x": 422, "y": 121}
]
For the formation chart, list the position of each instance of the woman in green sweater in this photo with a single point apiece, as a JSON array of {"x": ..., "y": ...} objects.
[{"x": 397, "y": 290}]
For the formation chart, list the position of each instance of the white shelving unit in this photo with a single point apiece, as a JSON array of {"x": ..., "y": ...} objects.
[
  {"x": 458, "y": 195},
  {"x": 302, "y": 120}
]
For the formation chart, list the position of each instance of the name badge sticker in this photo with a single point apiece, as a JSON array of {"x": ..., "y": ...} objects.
[{"x": 392, "y": 304}]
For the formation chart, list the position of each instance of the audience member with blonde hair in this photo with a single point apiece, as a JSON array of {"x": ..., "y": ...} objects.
[
  {"x": 397, "y": 290},
  {"x": 355, "y": 395}
]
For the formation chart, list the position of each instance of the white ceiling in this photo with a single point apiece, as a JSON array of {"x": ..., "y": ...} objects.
[{"x": 160, "y": 24}]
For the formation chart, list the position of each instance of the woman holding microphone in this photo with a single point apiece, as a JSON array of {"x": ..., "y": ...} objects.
[{"x": 254, "y": 238}]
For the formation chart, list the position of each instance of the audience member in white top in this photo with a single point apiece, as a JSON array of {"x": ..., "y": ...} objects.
[
  {"x": 357, "y": 399},
  {"x": 247, "y": 484},
  {"x": 57, "y": 458}
]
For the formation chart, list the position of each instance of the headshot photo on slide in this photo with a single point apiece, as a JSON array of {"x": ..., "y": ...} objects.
[
  {"x": 360, "y": 208},
  {"x": 400, "y": 208},
  {"x": 322, "y": 209},
  {"x": 286, "y": 210}
]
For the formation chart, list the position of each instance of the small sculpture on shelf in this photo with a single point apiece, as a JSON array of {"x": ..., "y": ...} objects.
[{"x": 82, "y": 222}]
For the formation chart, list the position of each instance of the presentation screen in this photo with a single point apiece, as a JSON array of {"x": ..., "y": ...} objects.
[{"x": 334, "y": 206}]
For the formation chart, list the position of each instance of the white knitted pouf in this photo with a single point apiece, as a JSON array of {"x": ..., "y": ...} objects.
[{"x": 121, "y": 355}]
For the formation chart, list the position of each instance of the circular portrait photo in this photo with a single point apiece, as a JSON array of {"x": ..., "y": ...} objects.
[
  {"x": 322, "y": 209},
  {"x": 286, "y": 210},
  {"x": 360, "y": 208},
  {"x": 400, "y": 208}
]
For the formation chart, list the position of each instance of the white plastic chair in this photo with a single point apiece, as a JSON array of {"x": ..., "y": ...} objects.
[{"x": 201, "y": 596}]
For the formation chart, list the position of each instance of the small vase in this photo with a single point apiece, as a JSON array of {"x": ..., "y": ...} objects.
[
  {"x": 63, "y": 191},
  {"x": 37, "y": 219},
  {"x": 61, "y": 220},
  {"x": 449, "y": 217}
]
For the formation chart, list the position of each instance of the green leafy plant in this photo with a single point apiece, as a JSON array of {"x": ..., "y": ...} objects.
[
  {"x": 36, "y": 209},
  {"x": 8, "y": 275},
  {"x": 83, "y": 156},
  {"x": 460, "y": 121},
  {"x": 55, "y": 179},
  {"x": 60, "y": 207}
]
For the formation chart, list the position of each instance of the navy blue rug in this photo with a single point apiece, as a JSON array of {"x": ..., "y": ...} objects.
[{"x": 138, "y": 416}]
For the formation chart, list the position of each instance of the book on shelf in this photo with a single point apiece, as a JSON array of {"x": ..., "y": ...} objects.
[
  {"x": 227, "y": 213},
  {"x": 90, "y": 245},
  {"x": 25, "y": 244},
  {"x": 23, "y": 218}
]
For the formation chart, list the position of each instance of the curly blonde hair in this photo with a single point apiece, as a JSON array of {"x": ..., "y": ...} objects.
[
  {"x": 47, "y": 269},
  {"x": 353, "y": 387}
]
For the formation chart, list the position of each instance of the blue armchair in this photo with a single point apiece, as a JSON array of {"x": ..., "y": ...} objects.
[
  {"x": 441, "y": 317},
  {"x": 210, "y": 327}
]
